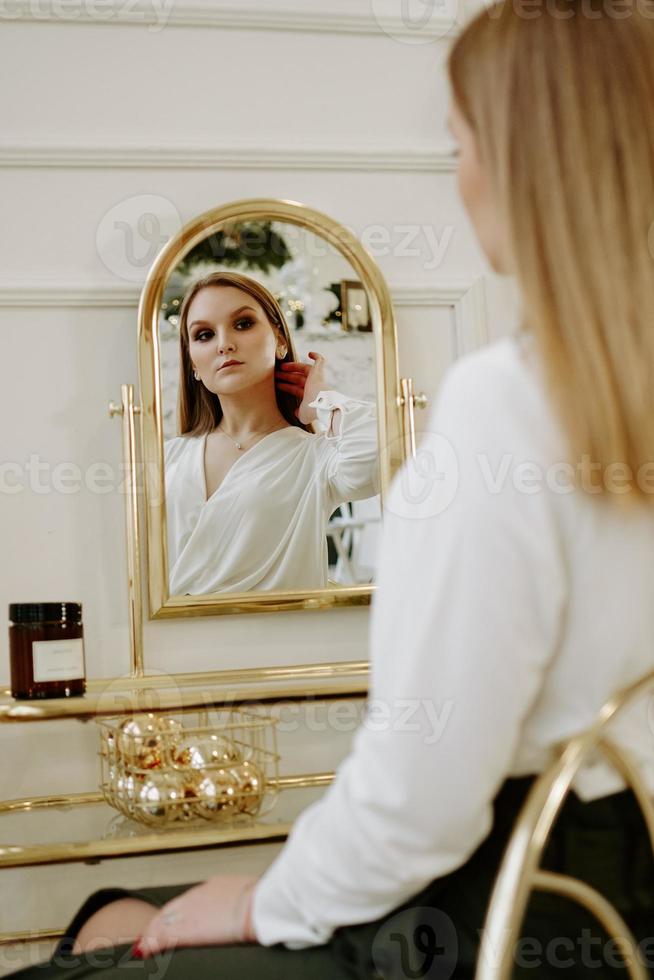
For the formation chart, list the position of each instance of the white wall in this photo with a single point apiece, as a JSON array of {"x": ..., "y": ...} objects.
[{"x": 293, "y": 102}]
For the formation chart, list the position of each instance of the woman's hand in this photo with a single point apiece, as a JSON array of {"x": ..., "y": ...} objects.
[
  {"x": 304, "y": 381},
  {"x": 214, "y": 913}
]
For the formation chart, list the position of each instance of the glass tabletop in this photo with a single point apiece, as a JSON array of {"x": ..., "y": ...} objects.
[{"x": 93, "y": 831}]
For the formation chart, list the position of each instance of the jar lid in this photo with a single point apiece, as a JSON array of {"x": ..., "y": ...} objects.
[{"x": 45, "y": 612}]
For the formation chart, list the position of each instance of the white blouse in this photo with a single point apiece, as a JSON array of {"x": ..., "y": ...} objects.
[
  {"x": 509, "y": 606},
  {"x": 265, "y": 525}
]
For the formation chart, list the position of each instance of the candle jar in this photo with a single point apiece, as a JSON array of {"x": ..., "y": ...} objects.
[{"x": 46, "y": 650}]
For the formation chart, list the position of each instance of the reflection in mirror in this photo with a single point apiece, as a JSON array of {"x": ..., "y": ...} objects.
[{"x": 271, "y": 463}]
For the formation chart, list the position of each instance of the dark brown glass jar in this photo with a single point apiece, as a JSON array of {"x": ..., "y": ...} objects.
[{"x": 46, "y": 650}]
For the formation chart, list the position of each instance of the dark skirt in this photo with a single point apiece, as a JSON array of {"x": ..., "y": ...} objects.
[{"x": 435, "y": 934}]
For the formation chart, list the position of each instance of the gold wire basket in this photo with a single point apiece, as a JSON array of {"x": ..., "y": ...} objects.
[{"x": 160, "y": 770}]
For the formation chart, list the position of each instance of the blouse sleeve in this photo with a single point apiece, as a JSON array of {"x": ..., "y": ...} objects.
[
  {"x": 350, "y": 456},
  {"x": 464, "y": 622}
]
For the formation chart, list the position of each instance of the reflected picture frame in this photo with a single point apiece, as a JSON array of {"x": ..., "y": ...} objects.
[{"x": 355, "y": 308}]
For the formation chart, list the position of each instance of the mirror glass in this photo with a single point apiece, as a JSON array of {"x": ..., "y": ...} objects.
[{"x": 257, "y": 498}]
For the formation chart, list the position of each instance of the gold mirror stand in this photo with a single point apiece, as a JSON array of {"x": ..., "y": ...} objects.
[
  {"x": 408, "y": 402},
  {"x": 129, "y": 411}
]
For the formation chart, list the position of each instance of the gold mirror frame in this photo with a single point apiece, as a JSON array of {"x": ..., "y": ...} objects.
[{"x": 389, "y": 404}]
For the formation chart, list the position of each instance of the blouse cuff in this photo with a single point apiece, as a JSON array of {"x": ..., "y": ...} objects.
[{"x": 326, "y": 402}]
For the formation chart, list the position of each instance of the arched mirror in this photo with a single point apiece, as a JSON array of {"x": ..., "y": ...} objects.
[{"x": 271, "y": 425}]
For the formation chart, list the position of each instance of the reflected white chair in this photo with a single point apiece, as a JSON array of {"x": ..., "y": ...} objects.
[{"x": 352, "y": 543}]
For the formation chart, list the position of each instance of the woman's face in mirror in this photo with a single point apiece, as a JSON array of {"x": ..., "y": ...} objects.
[
  {"x": 475, "y": 189},
  {"x": 226, "y": 323}
]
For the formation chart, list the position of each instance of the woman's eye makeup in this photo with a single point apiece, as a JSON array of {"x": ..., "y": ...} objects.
[{"x": 244, "y": 323}]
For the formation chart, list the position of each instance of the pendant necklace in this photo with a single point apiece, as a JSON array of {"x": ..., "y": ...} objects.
[{"x": 239, "y": 445}]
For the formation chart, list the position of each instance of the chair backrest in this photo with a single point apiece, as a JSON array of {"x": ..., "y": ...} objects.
[{"x": 520, "y": 871}]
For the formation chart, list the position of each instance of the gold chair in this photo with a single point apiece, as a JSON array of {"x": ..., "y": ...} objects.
[{"x": 520, "y": 871}]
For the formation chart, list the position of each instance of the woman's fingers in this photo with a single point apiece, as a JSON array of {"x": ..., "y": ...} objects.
[
  {"x": 296, "y": 367},
  {"x": 300, "y": 365},
  {"x": 157, "y": 940},
  {"x": 213, "y": 913},
  {"x": 292, "y": 376},
  {"x": 296, "y": 383}
]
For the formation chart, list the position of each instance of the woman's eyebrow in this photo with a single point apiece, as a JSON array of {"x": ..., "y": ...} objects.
[
  {"x": 242, "y": 308},
  {"x": 205, "y": 323}
]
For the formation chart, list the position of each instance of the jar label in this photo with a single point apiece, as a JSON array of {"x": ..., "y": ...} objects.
[{"x": 58, "y": 660}]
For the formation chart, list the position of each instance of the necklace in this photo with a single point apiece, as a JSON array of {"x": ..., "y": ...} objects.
[{"x": 239, "y": 445}]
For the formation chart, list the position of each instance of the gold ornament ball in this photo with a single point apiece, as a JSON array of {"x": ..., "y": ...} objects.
[
  {"x": 204, "y": 752},
  {"x": 125, "y": 790},
  {"x": 221, "y": 749},
  {"x": 215, "y": 795},
  {"x": 250, "y": 785},
  {"x": 139, "y": 743},
  {"x": 160, "y": 798},
  {"x": 167, "y": 724},
  {"x": 111, "y": 750},
  {"x": 171, "y": 731}
]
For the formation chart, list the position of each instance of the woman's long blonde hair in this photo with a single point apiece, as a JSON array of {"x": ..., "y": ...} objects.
[
  {"x": 561, "y": 98},
  {"x": 198, "y": 409}
]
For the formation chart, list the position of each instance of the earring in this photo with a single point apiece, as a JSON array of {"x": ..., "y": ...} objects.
[
  {"x": 196, "y": 375},
  {"x": 281, "y": 352}
]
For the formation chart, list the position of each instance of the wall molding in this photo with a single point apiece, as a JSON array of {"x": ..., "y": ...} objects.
[
  {"x": 158, "y": 14},
  {"x": 57, "y": 295},
  {"x": 436, "y": 159},
  {"x": 41, "y": 294},
  {"x": 446, "y": 294},
  {"x": 470, "y": 318},
  {"x": 467, "y": 300}
]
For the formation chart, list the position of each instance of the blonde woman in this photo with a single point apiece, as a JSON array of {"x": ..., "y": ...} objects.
[{"x": 512, "y": 599}]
